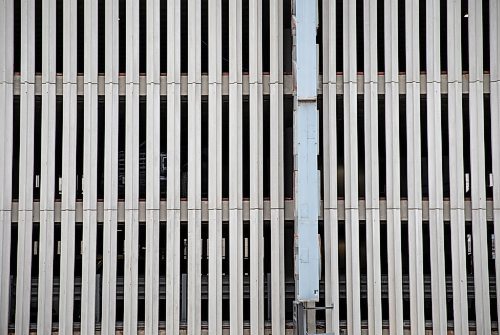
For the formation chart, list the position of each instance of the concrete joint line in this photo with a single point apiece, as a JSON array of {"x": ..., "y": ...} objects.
[
  {"x": 48, "y": 83},
  {"x": 152, "y": 83},
  {"x": 69, "y": 83},
  {"x": 457, "y": 208},
  {"x": 131, "y": 83},
  {"x": 476, "y": 81},
  {"x": 236, "y": 83},
  {"x": 210, "y": 83}
]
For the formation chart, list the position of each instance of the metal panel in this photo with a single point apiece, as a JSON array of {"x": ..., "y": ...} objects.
[
  {"x": 276, "y": 167},
  {"x": 173, "y": 165},
  {"x": 457, "y": 204},
  {"x": 26, "y": 157},
  {"x": 435, "y": 153},
  {"x": 131, "y": 280},
  {"x": 393, "y": 166},
  {"x": 330, "y": 167},
  {"x": 89, "y": 168},
  {"x": 372, "y": 169},
  {"x": 47, "y": 164},
  {"x": 215, "y": 167},
  {"x": 110, "y": 225},
  {"x": 68, "y": 196},
  {"x": 235, "y": 169},
  {"x": 351, "y": 169},
  {"x": 414, "y": 164},
  {"x": 152, "y": 167},
  {"x": 6, "y": 146},
  {"x": 194, "y": 168},
  {"x": 256, "y": 169},
  {"x": 477, "y": 154}
]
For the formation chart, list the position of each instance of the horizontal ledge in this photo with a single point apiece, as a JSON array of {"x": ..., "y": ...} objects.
[
  {"x": 289, "y": 210},
  {"x": 288, "y": 84}
]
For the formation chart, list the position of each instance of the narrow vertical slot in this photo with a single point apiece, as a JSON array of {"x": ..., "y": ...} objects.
[
  {"x": 101, "y": 111},
  {"x": 204, "y": 37},
  {"x": 121, "y": 148},
  {"x": 17, "y": 36},
  {"x": 163, "y": 38},
  {"x": 384, "y": 270},
  {"x": 245, "y": 36},
  {"x": 427, "y": 270},
  {"x": 340, "y": 147},
  {"x": 13, "y": 271},
  {"x": 267, "y": 270},
  {"x": 184, "y": 38},
  {"x": 339, "y": 38},
  {"x": 15, "y": 148},
  {"x": 488, "y": 147},
  {"x": 225, "y": 272},
  {"x": 80, "y": 36},
  {"x": 380, "y": 37},
  {"x": 443, "y": 35},
  {"x": 422, "y": 16},
  {"x": 467, "y": 147},
  {"x": 35, "y": 251},
  {"x": 266, "y": 173},
  {"x": 288, "y": 155},
  {"x": 448, "y": 268},
  {"x": 319, "y": 36},
  {"x": 183, "y": 177},
  {"x": 465, "y": 40},
  {"x": 401, "y": 36},
  {"x": 141, "y": 305},
  {"x": 287, "y": 36},
  {"x": 163, "y": 147},
  {"x": 101, "y": 29},
  {"x": 183, "y": 273},
  {"x": 265, "y": 35},
  {"x": 359, "y": 36},
  {"x": 38, "y": 36},
  {"x": 246, "y": 271},
  {"x": 204, "y": 147},
  {"x": 77, "y": 306},
  {"x": 225, "y": 35},
  {"x": 405, "y": 267},
  {"x": 288, "y": 240},
  {"x": 99, "y": 269},
  {"x": 486, "y": 47},
  {"x": 162, "y": 313},
  {"x": 122, "y": 26},
  {"x": 59, "y": 36},
  {"x": 204, "y": 272},
  {"x": 37, "y": 148},
  {"x": 58, "y": 148},
  {"x": 245, "y": 121},
  {"x": 225, "y": 147},
  {"x": 142, "y": 37},
  {"x": 79, "y": 147},
  {"x": 120, "y": 267},
  {"x": 446, "y": 146},
  {"x": 363, "y": 271},
  {"x": 342, "y": 272},
  {"x": 423, "y": 138},
  {"x": 142, "y": 147},
  {"x": 403, "y": 140},
  {"x": 56, "y": 271},
  {"x": 361, "y": 148},
  {"x": 470, "y": 271},
  {"x": 491, "y": 269},
  {"x": 381, "y": 145}
]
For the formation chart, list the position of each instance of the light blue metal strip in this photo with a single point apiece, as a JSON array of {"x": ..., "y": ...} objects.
[{"x": 306, "y": 151}]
